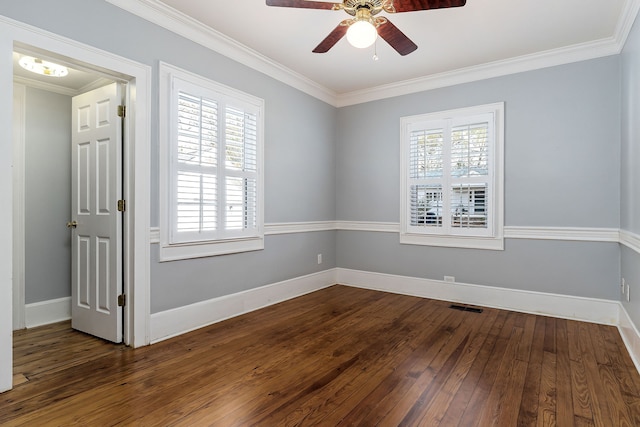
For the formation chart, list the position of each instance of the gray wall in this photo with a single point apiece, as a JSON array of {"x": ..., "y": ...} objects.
[
  {"x": 630, "y": 166},
  {"x": 47, "y": 195},
  {"x": 299, "y": 149},
  {"x": 562, "y": 169}
]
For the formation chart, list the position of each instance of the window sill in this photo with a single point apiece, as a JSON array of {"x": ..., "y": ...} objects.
[
  {"x": 175, "y": 252},
  {"x": 464, "y": 242}
]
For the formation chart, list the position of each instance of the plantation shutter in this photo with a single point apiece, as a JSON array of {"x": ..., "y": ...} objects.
[
  {"x": 469, "y": 175},
  {"x": 215, "y": 168},
  {"x": 449, "y": 176},
  {"x": 197, "y": 158},
  {"x": 426, "y": 161},
  {"x": 241, "y": 169}
]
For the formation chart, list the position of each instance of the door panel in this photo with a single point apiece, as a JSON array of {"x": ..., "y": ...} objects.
[{"x": 96, "y": 188}]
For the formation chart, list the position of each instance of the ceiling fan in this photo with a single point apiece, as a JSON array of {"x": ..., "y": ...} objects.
[{"x": 365, "y": 26}]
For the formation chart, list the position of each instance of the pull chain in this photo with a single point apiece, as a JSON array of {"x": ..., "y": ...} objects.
[{"x": 375, "y": 50}]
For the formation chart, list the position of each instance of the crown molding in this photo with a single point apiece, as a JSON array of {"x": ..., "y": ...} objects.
[
  {"x": 167, "y": 17},
  {"x": 49, "y": 87},
  {"x": 61, "y": 90},
  {"x": 627, "y": 17},
  {"x": 160, "y": 14},
  {"x": 550, "y": 58}
]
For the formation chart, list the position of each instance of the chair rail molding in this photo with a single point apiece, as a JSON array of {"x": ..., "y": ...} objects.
[{"x": 587, "y": 234}]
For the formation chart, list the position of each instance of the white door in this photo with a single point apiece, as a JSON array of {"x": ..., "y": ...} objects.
[{"x": 96, "y": 222}]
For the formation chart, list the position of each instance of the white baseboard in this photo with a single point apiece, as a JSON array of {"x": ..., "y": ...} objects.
[
  {"x": 46, "y": 312},
  {"x": 170, "y": 323},
  {"x": 630, "y": 336},
  {"x": 563, "y": 306}
]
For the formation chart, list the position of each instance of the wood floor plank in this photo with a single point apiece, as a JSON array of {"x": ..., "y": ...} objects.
[
  {"x": 580, "y": 391},
  {"x": 340, "y": 356},
  {"x": 564, "y": 396},
  {"x": 528, "y": 414},
  {"x": 599, "y": 407},
  {"x": 573, "y": 338},
  {"x": 547, "y": 395}
]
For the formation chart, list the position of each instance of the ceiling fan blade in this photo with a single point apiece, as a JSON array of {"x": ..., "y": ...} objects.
[
  {"x": 396, "y": 38},
  {"x": 303, "y": 4},
  {"x": 333, "y": 38},
  {"x": 412, "y": 5}
]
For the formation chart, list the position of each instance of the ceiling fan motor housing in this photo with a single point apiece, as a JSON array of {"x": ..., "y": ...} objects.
[{"x": 352, "y": 7}]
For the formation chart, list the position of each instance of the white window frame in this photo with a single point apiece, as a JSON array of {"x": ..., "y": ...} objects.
[
  {"x": 491, "y": 237},
  {"x": 173, "y": 245}
]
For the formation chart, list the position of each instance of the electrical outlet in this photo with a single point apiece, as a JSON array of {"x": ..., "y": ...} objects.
[
  {"x": 449, "y": 279},
  {"x": 319, "y": 258}
]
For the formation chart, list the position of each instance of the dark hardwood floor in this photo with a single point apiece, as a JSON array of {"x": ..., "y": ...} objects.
[{"x": 339, "y": 356}]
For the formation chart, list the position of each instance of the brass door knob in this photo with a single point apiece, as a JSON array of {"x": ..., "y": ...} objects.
[{"x": 72, "y": 224}]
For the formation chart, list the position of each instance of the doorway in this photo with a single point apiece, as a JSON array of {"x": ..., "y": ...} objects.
[
  {"x": 136, "y": 241},
  {"x": 46, "y": 185}
]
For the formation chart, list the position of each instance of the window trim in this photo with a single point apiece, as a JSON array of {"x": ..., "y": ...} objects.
[
  {"x": 494, "y": 240},
  {"x": 170, "y": 251}
]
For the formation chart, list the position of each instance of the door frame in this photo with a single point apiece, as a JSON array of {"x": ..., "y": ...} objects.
[{"x": 136, "y": 174}]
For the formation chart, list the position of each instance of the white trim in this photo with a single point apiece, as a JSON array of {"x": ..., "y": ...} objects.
[
  {"x": 630, "y": 240},
  {"x": 6, "y": 215},
  {"x": 18, "y": 125},
  {"x": 563, "y": 233},
  {"x": 169, "y": 18},
  {"x": 625, "y": 24},
  {"x": 177, "y": 321},
  {"x": 382, "y": 227},
  {"x": 510, "y": 232},
  {"x": 160, "y": 14},
  {"x": 47, "y": 312},
  {"x": 546, "y": 304},
  {"x": 630, "y": 336},
  {"x": 37, "y": 84},
  {"x": 61, "y": 90},
  {"x": 192, "y": 250},
  {"x": 298, "y": 227}
]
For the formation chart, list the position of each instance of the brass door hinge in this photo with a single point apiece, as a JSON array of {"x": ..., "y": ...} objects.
[
  {"x": 122, "y": 111},
  {"x": 122, "y": 300},
  {"x": 121, "y": 205}
]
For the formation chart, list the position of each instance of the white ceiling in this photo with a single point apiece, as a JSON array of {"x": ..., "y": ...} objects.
[
  {"x": 76, "y": 82},
  {"x": 481, "y": 32}
]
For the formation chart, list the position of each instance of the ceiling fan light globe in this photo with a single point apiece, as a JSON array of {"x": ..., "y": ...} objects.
[
  {"x": 361, "y": 34},
  {"x": 44, "y": 68}
]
